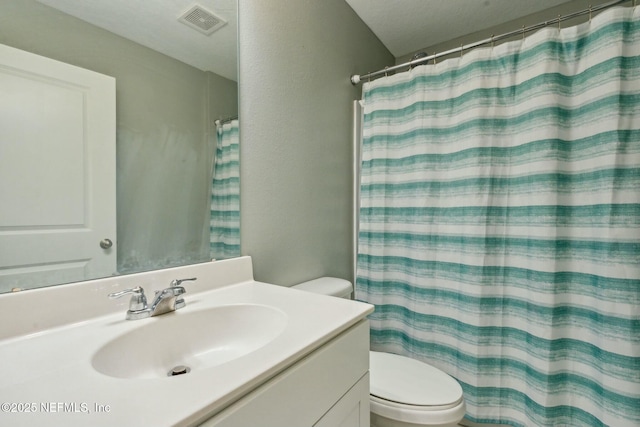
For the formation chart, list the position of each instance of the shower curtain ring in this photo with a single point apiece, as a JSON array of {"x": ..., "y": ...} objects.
[
  {"x": 492, "y": 45},
  {"x": 435, "y": 58},
  {"x": 590, "y": 11},
  {"x": 461, "y": 50},
  {"x": 523, "y": 31},
  {"x": 385, "y": 71},
  {"x": 559, "y": 20}
]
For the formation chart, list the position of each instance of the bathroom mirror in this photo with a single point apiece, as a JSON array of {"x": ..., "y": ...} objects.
[{"x": 173, "y": 81}]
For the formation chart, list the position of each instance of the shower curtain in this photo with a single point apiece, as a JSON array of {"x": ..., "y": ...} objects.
[
  {"x": 500, "y": 223},
  {"x": 225, "y": 194}
]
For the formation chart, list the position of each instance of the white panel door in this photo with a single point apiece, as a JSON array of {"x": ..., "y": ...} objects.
[{"x": 57, "y": 172}]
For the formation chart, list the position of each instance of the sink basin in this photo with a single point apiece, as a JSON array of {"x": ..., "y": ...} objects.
[{"x": 197, "y": 340}]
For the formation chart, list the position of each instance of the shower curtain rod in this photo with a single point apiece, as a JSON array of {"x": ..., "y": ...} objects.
[
  {"x": 220, "y": 122},
  {"x": 357, "y": 78}
]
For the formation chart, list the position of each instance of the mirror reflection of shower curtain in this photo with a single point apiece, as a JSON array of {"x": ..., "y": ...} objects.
[
  {"x": 225, "y": 194},
  {"x": 500, "y": 223}
]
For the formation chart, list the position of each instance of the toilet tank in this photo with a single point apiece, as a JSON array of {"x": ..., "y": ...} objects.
[{"x": 332, "y": 286}]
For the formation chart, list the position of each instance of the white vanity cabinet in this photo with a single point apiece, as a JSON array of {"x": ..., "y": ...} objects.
[{"x": 327, "y": 388}]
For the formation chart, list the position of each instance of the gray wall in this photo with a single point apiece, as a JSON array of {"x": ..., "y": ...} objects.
[
  {"x": 295, "y": 107},
  {"x": 165, "y": 142}
]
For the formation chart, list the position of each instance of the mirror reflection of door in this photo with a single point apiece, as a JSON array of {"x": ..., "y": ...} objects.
[{"x": 59, "y": 119}]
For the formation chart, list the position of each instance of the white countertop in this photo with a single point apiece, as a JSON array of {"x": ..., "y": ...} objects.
[{"x": 48, "y": 378}]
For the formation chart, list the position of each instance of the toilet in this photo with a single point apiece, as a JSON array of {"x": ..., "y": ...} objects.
[{"x": 403, "y": 392}]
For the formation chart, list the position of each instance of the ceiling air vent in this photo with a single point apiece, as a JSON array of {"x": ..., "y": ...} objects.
[{"x": 202, "y": 20}]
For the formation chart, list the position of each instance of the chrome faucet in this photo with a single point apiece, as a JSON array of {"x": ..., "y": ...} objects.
[{"x": 165, "y": 301}]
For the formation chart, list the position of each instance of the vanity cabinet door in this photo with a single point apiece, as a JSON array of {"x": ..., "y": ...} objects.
[
  {"x": 350, "y": 411},
  {"x": 331, "y": 383}
]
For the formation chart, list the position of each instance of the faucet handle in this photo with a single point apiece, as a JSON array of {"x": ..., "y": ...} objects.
[
  {"x": 138, "y": 300},
  {"x": 177, "y": 282}
]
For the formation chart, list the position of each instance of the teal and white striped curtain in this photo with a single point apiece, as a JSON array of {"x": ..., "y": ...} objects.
[
  {"x": 500, "y": 223},
  {"x": 225, "y": 194}
]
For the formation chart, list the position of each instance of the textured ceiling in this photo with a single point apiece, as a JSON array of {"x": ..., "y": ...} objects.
[
  {"x": 406, "y": 26},
  {"x": 154, "y": 24}
]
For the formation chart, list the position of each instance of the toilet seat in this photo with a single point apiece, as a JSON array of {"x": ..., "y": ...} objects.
[
  {"x": 408, "y": 390},
  {"x": 420, "y": 415}
]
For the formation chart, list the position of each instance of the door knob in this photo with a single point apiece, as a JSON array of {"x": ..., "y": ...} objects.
[{"x": 106, "y": 243}]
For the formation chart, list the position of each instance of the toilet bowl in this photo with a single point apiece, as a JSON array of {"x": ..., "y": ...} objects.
[{"x": 404, "y": 392}]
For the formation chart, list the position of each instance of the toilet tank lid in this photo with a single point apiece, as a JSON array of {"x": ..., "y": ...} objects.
[{"x": 327, "y": 286}]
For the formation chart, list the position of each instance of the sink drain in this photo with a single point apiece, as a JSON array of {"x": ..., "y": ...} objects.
[{"x": 179, "y": 370}]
